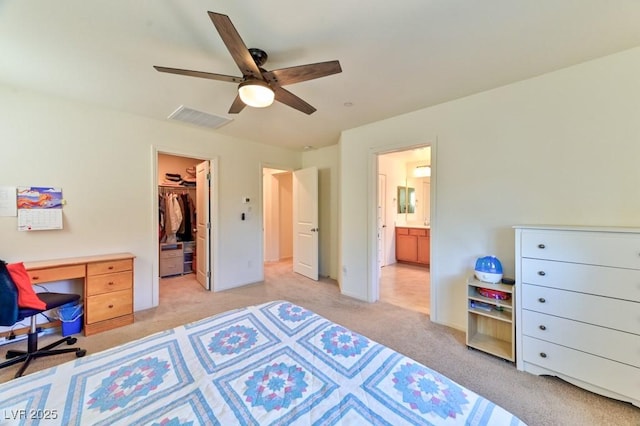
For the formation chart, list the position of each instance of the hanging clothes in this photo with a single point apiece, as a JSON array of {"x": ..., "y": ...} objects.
[
  {"x": 176, "y": 216},
  {"x": 173, "y": 217},
  {"x": 186, "y": 230}
]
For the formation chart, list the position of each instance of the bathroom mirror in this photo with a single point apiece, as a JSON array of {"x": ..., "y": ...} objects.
[{"x": 406, "y": 199}]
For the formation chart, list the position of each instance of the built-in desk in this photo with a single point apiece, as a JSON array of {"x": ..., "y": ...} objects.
[{"x": 107, "y": 286}]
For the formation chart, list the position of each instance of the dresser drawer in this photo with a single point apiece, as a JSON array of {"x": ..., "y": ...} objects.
[
  {"x": 604, "y": 281},
  {"x": 595, "y": 248},
  {"x": 171, "y": 266},
  {"x": 613, "y": 313},
  {"x": 168, "y": 254},
  {"x": 613, "y": 376},
  {"x": 109, "y": 305},
  {"x": 99, "y": 284},
  {"x": 109, "y": 266},
  {"x": 605, "y": 342}
]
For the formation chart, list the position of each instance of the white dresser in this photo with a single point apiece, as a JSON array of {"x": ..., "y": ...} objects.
[{"x": 578, "y": 310}]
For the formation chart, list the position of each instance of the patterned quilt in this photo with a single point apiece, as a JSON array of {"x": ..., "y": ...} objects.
[{"x": 272, "y": 364}]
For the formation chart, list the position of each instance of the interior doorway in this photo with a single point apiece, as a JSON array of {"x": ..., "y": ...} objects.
[
  {"x": 184, "y": 220},
  {"x": 404, "y": 201},
  {"x": 277, "y": 198}
]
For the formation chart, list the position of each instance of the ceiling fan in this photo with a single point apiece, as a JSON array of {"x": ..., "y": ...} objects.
[{"x": 257, "y": 86}]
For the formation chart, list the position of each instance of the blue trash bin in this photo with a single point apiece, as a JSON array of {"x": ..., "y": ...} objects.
[{"x": 71, "y": 317}]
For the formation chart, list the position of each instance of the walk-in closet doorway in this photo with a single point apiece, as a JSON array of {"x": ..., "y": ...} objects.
[{"x": 184, "y": 237}]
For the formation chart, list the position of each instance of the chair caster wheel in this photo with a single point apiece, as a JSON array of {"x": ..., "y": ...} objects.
[
  {"x": 81, "y": 353},
  {"x": 71, "y": 341}
]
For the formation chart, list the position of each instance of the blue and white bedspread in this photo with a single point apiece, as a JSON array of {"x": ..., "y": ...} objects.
[{"x": 271, "y": 364}]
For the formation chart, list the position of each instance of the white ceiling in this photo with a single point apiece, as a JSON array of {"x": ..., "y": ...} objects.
[{"x": 396, "y": 57}]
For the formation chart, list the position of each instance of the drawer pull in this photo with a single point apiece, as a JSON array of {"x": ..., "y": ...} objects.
[
  {"x": 111, "y": 283},
  {"x": 543, "y": 355},
  {"x": 543, "y": 327},
  {"x": 110, "y": 268},
  {"x": 541, "y": 246},
  {"x": 110, "y": 306},
  {"x": 542, "y": 300},
  {"x": 35, "y": 277},
  {"x": 542, "y": 273}
]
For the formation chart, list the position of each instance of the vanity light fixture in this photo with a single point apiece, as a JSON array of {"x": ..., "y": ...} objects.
[{"x": 422, "y": 171}]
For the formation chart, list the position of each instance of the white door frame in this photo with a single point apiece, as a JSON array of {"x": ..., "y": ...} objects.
[
  {"x": 373, "y": 285},
  {"x": 213, "y": 208}
]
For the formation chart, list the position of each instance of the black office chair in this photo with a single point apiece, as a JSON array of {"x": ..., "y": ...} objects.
[{"x": 52, "y": 300}]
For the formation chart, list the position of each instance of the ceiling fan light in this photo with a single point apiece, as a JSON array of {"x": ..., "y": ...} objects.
[{"x": 256, "y": 93}]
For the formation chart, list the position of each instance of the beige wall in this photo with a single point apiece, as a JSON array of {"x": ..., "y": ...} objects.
[
  {"x": 105, "y": 163},
  {"x": 562, "y": 148},
  {"x": 285, "y": 215}
]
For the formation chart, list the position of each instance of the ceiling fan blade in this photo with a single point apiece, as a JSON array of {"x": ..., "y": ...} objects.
[
  {"x": 235, "y": 45},
  {"x": 237, "y": 105},
  {"x": 201, "y": 74},
  {"x": 288, "y": 98},
  {"x": 291, "y": 75}
]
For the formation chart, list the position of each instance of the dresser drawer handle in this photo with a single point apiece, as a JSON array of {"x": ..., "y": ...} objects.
[
  {"x": 35, "y": 277},
  {"x": 542, "y": 300},
  {"x": 110, "y": 306},
  {"x": 543, "y": 355},
  {"x": 110, "y": 268},
  {"x": 541, "y": 246},
  {"x": 542, "y": 273},
  {"x": 111, "y": 283},
  {"x": 543, "y": 327}
]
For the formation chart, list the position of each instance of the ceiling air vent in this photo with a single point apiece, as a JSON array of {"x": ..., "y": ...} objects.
[{"x": 198, "y": 118}]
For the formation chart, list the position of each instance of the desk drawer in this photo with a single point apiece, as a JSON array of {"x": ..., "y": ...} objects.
[
  {"x": 109, "y": 266},
  {"x": 109, "y": 305},
  {"x": 106, "y": 283},
  {"x": 60, "y": 273}
]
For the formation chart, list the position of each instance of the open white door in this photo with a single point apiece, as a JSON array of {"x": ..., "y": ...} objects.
[
  {"x": 203, "y": 255},
  {"x": 305, "y": 222}
]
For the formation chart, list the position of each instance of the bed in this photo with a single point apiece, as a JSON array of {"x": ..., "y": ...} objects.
[{"x": 270, "y": 364}]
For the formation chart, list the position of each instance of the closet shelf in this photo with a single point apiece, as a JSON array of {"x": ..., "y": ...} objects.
[{"x": 177, "y": 187}]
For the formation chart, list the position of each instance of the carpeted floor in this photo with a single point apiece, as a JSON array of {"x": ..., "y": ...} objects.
[{"x": 536, "y": 400}]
